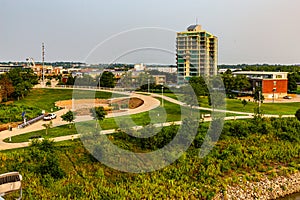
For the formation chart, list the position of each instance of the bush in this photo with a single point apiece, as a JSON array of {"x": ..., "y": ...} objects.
[
  {"x": 46, "y": 159},
  {"x": 48, "y": 83},
  {"x": 297, "y": 115},
  {"x": 237, "y": 129}
]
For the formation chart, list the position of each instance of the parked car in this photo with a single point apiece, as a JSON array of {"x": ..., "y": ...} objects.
[
  {"x": 50, "y": 116},
  {"x": 287, "y": 97}
]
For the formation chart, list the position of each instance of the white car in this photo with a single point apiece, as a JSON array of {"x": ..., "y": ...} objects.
[{"x": 50, "y": 116}]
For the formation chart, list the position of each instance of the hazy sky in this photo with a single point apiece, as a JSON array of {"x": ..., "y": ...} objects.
[{"x": 249, "y": 31}]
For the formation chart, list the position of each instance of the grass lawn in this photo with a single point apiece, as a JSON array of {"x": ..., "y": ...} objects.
[
  {"x": 298, "y": 89},
  {"x": 173, "y": 96},
  {"x": 53, "y": 132},
  {"x": 45, "y": 98},
  {"x": 267, "y": 108},
  {"x": 169, "y": 113}
]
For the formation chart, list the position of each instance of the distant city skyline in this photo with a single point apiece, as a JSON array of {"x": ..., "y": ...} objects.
[{"x": 249, "y": 31}]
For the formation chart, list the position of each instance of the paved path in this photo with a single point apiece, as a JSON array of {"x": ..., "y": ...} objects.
[
  {"x": 149, "y": 104},
  {"x": 6, "y": 146}
]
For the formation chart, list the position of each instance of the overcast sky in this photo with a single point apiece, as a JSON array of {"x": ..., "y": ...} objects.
[{"x": 249, "y": 31}]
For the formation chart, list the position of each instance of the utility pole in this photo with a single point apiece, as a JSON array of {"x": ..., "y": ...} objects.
[
  {"x": 274, "y": 90},
  {"x": 148, "y": 86},
  {"x": 259, "y": 93},
  {"x": 162, "y": 96},
  {"x": 43, "y": 64}
]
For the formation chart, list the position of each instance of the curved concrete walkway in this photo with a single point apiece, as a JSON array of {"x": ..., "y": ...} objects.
[
  {"x": 149, "y": 104},
  {"x": 210, "y": 109}
]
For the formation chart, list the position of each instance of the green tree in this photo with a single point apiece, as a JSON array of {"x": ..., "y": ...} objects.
[
  {"x": 98, "y": 113},
  {"x": 126, "y": 80},
  {"x": 45, "y": 160},
  {"x": 292, "y": 83},
  {"x": 297, "y": 115},
  {"x": 6, "y": 87},
  {"x": 21, "y": 90},
  {"x": 216, "y": 100},
  {"x": 244, "y": 102},
  {"x": 189, "y": 97},
  {"x": 142, "y": 80},
  {"x": 68, "y": 117},
  {"x": 216, "y": 96},
  {"x": 47, "y": 127},
  {"x": 107, "y": 79},
  {"x": 86, "y": 80},
  {"x": 238, "y": 83},
  {"x": 258, "y": 96},
  {"x": 23, "y": 81},
  {"x": 71, "y": 80},
  {"x": 241, "y": 83},
  {"x": 199, "y": 86},
  {"x": 48, "y": 83},
  {"x": 228, "y": 81}
]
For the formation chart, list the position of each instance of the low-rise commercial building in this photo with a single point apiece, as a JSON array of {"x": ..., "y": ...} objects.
[
  {"x": 7, "y": 68},
  {"x": 273, "y": 84}
]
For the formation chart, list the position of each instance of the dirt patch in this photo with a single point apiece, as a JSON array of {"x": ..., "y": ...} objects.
[
  {"x": 82, "y": 103},
  {"x": 7, "y": 103},
  {"x": 131, "y": 103},
  {"x": 4, "y": 127},
  {"x": 83, "y": 106}
]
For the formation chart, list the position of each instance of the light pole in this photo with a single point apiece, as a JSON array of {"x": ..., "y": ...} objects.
[
  {"x": 43, "y": 64},
  {"x": 99, "y": 81},
  {"x": 274, "y": 90},
  {"x": 162, "y": 96},
  {"x": 259, "y": 93},
  {"x": 148, "y": 86}
]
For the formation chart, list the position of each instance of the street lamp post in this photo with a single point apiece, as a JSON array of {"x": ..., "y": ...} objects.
[
  {"x": 274, "y": 90},
  {"x": 148, "y": 86},
  {"x": 162, "y": 96},
  {"x": 43, "y": 65},
  {"x": 99, "y": 81},
  {"x": 259, "y": 94}
]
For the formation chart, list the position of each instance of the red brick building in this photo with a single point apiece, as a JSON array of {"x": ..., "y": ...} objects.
[{"x": 272, "y": 83}]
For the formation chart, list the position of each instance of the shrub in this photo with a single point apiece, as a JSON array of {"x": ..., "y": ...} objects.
[{"x": 298, "y": 114}]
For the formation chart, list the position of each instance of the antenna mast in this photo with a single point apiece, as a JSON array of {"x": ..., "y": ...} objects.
[{"x": 43, "y": 63}]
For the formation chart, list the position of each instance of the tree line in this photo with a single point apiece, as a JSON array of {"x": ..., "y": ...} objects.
[
  {"x": 262, "y": 67},
  {"x": 17, "y": 83}
]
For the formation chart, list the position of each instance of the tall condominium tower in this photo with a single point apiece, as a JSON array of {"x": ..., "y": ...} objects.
[{"x": 197, "y": 53}]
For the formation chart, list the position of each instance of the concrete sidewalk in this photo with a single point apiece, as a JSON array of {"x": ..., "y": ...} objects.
[
  {"x": 149, "y": 104},
  {"x": 6, "y": 146}
]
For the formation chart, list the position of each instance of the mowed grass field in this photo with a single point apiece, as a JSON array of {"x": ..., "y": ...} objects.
[
  {"x": 266, "y": 108},
  {"x": 169, "y": 113},
  {"x": 45, "y": 98}
]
